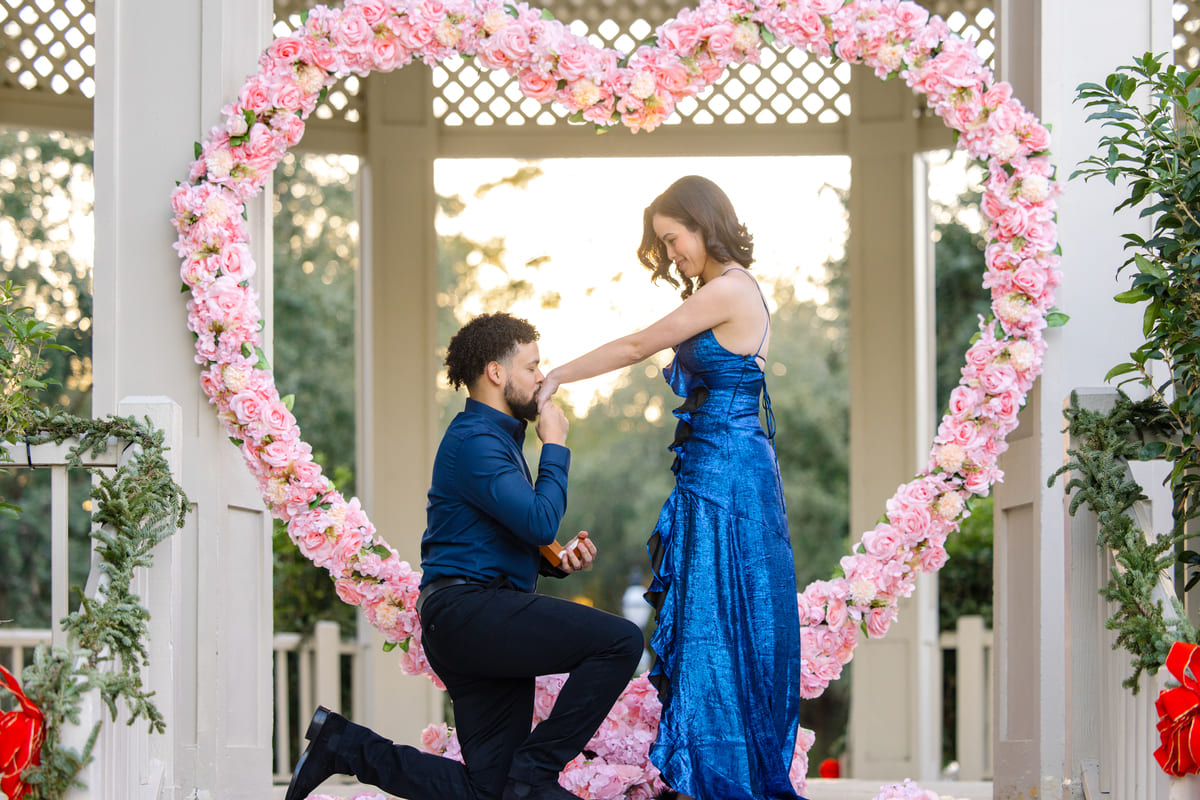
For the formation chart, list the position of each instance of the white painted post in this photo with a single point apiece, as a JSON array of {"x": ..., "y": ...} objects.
[
  {"x": 971, "y": 735},
  {"x": 895, "y": 713},
  {"x": 1046, "y": 49},
  {"x": 398, "y": 363},
  {"x": 163, "y": 71},
  {"x": 327, "y": 657}
]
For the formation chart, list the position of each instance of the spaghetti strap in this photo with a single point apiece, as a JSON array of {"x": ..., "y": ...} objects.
[{"x": 767, "y": 329}]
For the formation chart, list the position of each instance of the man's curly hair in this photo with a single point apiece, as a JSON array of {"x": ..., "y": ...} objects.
[{"x": 487, "y": 338}]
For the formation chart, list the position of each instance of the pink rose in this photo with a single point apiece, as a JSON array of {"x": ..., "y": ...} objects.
[
  {"x": 435, "y": 738},
  {"x": 385, "y": 54},
  {"x": 879, "y": 620},
  {"x": 347, "y": 591},
  {"x": 538, "y": 86},
  {"x": 255, "y": 96},
  {"x": 933, "y": 558},
  {"x": 682, "y": 35},
  {"x": 315, "y": 546},
  {"x": 883, "y": 542},
  {"x": 372, "y": 11},
  {"x": 285, "y": 49},
  {"x": 225, "y": 301},
  {"x": 352, "y": 32},
  {"x": 236, "y": 262},
  {"x": 720, "y": 41}
]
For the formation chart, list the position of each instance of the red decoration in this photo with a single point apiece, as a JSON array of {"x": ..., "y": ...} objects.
[
  {"x": 1177, "y": 709},
  {"x": 830, "y": 768},
  {"x": 21, "y": 734}
]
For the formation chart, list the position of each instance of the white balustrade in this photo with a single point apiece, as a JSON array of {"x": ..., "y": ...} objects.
[{"x": 316, "y": 664}]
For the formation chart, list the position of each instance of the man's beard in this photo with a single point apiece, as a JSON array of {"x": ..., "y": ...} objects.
[{"x": 522, "y": 409}]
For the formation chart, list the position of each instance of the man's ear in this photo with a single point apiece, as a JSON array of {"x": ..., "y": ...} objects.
[{"x": 494, "y": 372}]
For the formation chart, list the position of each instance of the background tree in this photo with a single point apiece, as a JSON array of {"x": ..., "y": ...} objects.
[
  {"x": 45, "y": 251},
  {"x": 965, "y": 583}
]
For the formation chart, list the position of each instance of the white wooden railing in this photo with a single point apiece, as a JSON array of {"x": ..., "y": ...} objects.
[
  {"x": 126, "y": 764},
  {"x": 1112, "y": 734},
  {"x": 318, "y": 663},
  {"x": 973, "y": 704}
]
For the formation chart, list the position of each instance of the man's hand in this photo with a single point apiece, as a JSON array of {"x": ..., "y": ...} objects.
[
  {"x": 579, "y": 554},
  {"x": 552, "y": 425}
]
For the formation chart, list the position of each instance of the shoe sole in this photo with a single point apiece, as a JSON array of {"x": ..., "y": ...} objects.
[{"x": 318, "y": 721}]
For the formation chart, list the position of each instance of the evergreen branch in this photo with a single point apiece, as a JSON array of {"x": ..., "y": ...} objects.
[
  {"x": 134, "y": 509},
  {"x": 1100, "y": 479}
]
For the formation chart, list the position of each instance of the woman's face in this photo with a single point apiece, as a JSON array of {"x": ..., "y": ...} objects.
[{"x": 684, "y": 247}]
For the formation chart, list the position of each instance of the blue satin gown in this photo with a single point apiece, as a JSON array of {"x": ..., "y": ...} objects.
[{"x": 728, "y": 635}]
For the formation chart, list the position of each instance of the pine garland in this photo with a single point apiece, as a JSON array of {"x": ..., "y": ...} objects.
[
  {"x": 1100, "y": 479},
  {"x": 135, "y": 508}
]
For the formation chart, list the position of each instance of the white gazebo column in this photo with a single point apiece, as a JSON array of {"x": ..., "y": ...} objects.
[
  {"x": 398, "y": 418},
  {"x": 895, "y": 696},
  {"x": 163, "y": 71},
  {"x": 1046, "y": 49}
]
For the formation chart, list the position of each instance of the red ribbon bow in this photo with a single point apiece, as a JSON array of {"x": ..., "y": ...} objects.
[
  {"x": 21, "y": 733},
  {"x": 1179, "y": 723}
]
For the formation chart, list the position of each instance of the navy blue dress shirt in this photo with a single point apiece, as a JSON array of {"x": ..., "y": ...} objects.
[{"x": 486, "y": 517}]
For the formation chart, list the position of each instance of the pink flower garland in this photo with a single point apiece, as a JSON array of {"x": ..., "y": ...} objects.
[{"x": 638, "y": 90}]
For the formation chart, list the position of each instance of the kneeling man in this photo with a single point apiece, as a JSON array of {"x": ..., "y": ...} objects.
[{"x": 486, "y": 632}]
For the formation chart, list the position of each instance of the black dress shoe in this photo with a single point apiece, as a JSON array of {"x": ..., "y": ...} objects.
[
  {"x": 515, "y": 790},
  {"x": 319, "y": 760}
]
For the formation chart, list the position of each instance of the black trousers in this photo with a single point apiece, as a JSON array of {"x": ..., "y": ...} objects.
[{"x": 488, "y": 644}]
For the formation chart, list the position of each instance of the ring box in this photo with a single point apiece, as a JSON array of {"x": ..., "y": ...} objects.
[{"x": 554, "y": 551}]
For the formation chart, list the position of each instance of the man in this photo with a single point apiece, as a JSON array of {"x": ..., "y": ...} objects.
[{"x": 487, "y": 634}]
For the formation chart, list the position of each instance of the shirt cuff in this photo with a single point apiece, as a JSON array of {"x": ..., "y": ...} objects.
[{"x": 555, "y": 454}]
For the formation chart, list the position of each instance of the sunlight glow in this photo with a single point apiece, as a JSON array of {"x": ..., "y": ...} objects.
[{"x": 572, "y": 234}]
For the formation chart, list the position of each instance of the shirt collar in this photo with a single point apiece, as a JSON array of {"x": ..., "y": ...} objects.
[{"x": 511, "y": 425}]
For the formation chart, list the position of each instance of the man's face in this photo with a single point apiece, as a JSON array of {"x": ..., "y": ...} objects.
[{"x": 523, "y": 381}]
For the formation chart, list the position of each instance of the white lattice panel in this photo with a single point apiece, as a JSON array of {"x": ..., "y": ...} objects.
[
  {"x": 785, "y": 87},
  {"x": 48, "y": 46}
]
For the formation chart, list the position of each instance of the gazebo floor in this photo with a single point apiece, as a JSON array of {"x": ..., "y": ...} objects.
[{"x": 818, "y": 789}]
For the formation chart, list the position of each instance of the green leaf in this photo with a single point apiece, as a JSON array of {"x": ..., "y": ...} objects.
[
  {"x": 546, "y": 14},
  {"x": 512, "y": 10},
  {"x": 1131, "y": 296},
  {"x": 381, "y": 551},
  {"x": 1151, "y": 316},
  {"x": 197, "y": 149},
  {"x": 389, "y": 646},
  {"x": 767, "y": 36},
  {"x": 1120, "y": 369},
  {"x": 304, "y": 17},
  {"x": 1056, "y": 319},
  {"x": 247, "y": 350},
  {"x": 1149, "y": 267},
  {"x": 1151, "y": 450},
  {"x": 262, "y": 362},
  {"x": 288, "y": 401}
]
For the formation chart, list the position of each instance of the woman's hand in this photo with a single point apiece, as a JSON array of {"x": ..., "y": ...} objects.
[{"x": 549, "y": 387}]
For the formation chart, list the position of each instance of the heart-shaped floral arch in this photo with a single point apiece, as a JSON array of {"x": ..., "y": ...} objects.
[{"x": 638, "y": 90}]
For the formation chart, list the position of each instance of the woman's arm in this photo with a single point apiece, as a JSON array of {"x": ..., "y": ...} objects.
[{"x": 711, "y": 305}]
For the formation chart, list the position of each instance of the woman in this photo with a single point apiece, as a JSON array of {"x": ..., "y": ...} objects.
[{"x": 728, "y": 636}]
